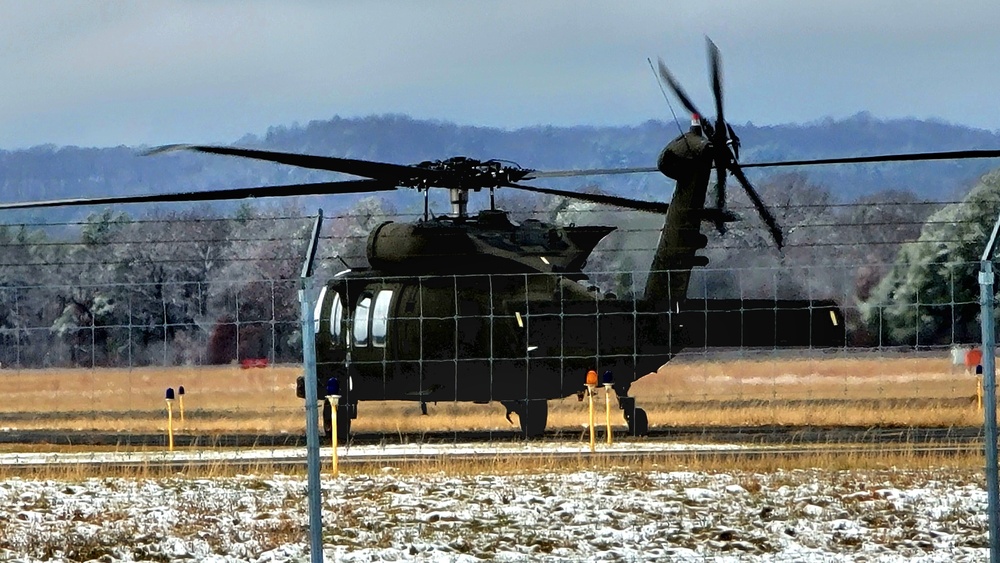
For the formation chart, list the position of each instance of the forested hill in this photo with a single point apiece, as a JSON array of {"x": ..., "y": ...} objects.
[{"x": 49, "y": 172}]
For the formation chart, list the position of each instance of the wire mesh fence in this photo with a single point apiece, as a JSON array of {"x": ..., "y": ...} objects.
[{"x": 95, "y": 323}]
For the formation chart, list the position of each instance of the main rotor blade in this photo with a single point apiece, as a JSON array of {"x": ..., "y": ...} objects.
[
  {"x": 941, "y": 155},
  {"x": 587, "y": 172},
  {"x": 637, "y": 204},
  {"x": 363, "y": 168},
  {"x": 765, "y": 214},
  {"x": 320, "y": 188}
]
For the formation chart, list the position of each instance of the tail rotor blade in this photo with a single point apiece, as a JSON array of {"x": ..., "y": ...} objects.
[
  {"x": 762, "y": 210},
  {"x": 682, "y": 95},
  {"x": 715, "y": 60},
  {"x": 720, "y": 192},
  {"x": 723, "y": 155}
]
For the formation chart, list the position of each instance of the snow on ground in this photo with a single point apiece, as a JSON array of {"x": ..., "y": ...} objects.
[{"x": 617, "y": 515}]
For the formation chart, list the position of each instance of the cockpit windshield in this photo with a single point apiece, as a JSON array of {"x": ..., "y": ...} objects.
[{"x": 337, "y": 321}]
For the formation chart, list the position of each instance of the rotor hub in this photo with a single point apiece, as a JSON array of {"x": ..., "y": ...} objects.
[{"x": 460, "y": 172}]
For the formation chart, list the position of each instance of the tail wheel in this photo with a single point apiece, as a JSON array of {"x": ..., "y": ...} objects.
[
  {"x": 343, "y": 423},
  {"x": 533, "y": 418},
  {"x": 532, "y": 415},
  {"x": 638, "y": 423}
]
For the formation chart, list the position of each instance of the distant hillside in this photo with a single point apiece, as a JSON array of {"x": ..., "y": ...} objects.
[{"x": 49, "y": 172}]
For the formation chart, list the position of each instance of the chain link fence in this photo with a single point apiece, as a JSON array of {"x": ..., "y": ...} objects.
[{"x": 94, "y": 339}]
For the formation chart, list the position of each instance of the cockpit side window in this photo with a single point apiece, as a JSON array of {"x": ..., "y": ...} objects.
[
  {"x": 361, "y": 314},
  {"x": 380, "y": 317},
  {"x": 337, "y": 320},
  {"x": 318, "y": 311}
]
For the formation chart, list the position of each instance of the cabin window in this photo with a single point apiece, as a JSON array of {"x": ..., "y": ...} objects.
[
  {"x": 336, "y": 319},
  {"x": 318, "y": 311},
  {"x": 380, "y": 317},
  {"x": 361, "y": 314}
]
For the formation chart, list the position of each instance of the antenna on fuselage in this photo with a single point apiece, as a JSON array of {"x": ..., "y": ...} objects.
[{"x": 663, "y": 91}]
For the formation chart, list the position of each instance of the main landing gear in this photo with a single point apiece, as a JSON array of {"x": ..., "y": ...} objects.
[
  {"x": 347, "y": 410},
  {"x": 532, "y": 414},
  {"x": 635, "y": 417},
  {"x": 345, "y": 413}
]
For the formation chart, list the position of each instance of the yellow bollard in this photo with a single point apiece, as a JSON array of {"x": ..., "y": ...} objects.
[
  {"x": 590, "y": 393},
  {"x": 334, "y": 401},
  {"x": 591, "y": 386},
  {"x": 170, "y": 418},
  {"x": 979, "y": 393},
  {"x": 180, "y": 402},
  {"x": 607, "y": 409}
]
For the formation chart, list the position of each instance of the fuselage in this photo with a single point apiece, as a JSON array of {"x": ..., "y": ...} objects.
[
  {"x": 499, "y": 313},
  {"x": 479, "y": 338}
]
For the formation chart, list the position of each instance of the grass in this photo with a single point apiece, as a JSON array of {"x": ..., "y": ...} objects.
[
  {"x": 826, "y": 391},
  {"x": 828, "y": 458}
]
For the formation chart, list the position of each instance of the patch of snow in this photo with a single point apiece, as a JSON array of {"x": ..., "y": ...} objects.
[{"x": 621, "y": 515}]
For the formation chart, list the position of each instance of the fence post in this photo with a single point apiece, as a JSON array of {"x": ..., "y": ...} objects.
[
  {"x": 989, "y": 392},
  {"x": 307, "y": 295}
]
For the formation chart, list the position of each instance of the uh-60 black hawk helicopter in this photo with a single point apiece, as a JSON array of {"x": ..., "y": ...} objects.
[{"x": 473, "y": 307}]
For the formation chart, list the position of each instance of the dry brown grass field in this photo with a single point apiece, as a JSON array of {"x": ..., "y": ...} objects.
[
  {"x": 864, "y": 391},
  {"x": 828, "y": 459}
]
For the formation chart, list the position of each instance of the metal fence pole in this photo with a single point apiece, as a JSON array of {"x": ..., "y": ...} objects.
[
  {"x": 306, "y": 299},
  {"x": 989, "y": 392}
]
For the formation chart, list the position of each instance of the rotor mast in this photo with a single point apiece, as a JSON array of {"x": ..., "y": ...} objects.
[{"x": 459, "y": 202}]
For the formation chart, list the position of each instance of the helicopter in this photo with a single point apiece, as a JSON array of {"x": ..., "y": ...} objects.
[{"x": 475, "y": 307}]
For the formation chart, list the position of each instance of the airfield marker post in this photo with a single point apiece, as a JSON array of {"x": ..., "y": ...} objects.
[
  {"x": 607, "y": 411},
  {"x": 170, "y": 418},
  {"x": 608, "y": 382},
  {"x": 979, "y": 387},
  {"x": 180, "y": 402},
  {"x": 334, "y": 401},
  {"x": 591, "y": 390}
]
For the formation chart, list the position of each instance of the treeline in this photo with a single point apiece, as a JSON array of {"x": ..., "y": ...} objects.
[
  {"x": 166, "y": 289},
  {"x": 49, "y": 172}
]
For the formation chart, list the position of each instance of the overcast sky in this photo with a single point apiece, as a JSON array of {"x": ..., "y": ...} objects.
[{"x": 111, "y": 73}]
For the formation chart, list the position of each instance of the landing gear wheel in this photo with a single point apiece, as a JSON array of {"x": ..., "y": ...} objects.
[
  {"x": 638, "y": 423},
  {"x": 532, "y": 415},
  {"x": 533, "y": 418}
]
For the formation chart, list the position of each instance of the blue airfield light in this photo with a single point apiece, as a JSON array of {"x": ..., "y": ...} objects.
[
  {"x": 170, "y": 393},
  {"x": 609, "y": 378},
  {"x": 332, "y": 386},
  {"x": 180, "y": 390},
  {"x": 979, "y": 369}
]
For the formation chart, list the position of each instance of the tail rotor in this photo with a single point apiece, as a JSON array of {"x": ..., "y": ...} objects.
[{"x": 725, "y": 143}]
